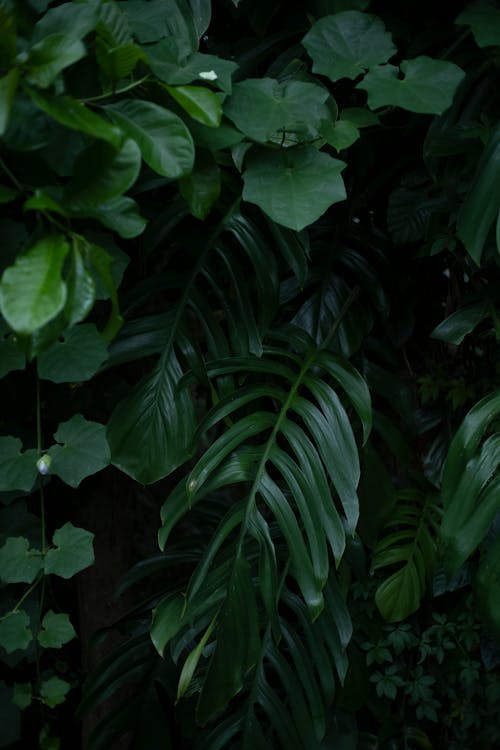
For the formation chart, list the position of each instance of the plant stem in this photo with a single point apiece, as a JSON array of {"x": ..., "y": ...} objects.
[
  {"x": 27, "y": 592},
  {"x": 10, "y": 175},
  {"x": 110, "y": 94}
]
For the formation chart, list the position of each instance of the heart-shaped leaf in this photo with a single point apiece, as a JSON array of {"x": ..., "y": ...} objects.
[
  {"x": 84, "y": 450},
  {"x": 19, "y": 563},
  {"x": 73, "y": 551},
  {"x": 56, "y": 630}
]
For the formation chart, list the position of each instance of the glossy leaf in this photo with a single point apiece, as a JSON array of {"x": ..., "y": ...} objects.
[
  {"x": 32, "y": 291},
  {"x": 81, "y": 290},
  {"x": 455, "y": 328},
  {"x": 14, "y": 631},
  {"x": 74, "y": 359},
  {"x": 293, "y": 187},
  {"x": 50, "y": 56},
  {"x": 347, "y": 43},
  {"x": 19, "y": 563},
  {"x": 83, "y": 451},
  {"x": 120, "y": 214},
  {"x": 200, "y": 103},
  {"x": 428, "y": 85},
  {"x": 72, "y": 551},
  {"x": 17, "y": 470},
  {"x": 164, "y": 140},
  {"x": 56, "y": 630},
  {"x": 264, "y": 109}
]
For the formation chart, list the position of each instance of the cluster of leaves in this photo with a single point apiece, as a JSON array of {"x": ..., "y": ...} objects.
[{"x": 202, "y": 274}]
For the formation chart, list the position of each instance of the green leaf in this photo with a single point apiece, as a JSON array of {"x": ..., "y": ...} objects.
[
  {"x": 22, "y": 695},
  {"x": 50, "y": 56},
  {"x": 11, "y": 357},
  {"x": 53, "y": 691},
  {"x": 120, "y": 214},
  {"x": 482, "y": 202},
  {"x": 73, "y": 551},
  {"x": 360, "y": 117},
  {"x": 201, "y": 188},
  {"x": 151, "y": 23},
  {"x": 14, "y": 631},
  {"x": 294, "y": 187},
  {"x": 455, "y": 328},
  {"x": 164, "y": 140},
  {"x": 197, "y": 67},
  {"x": 200, "y": 103},
  {"x": 191, "y": 662},
  {"x": 151, "y": 431},
  {"x": 264, "y": 109},
  {"x": 102, "y": 173},
  {"x": 340, "y": 134},
  {"x": 19, "y": 563},
  {"x": 346, "y": 44},
  {"x": 32, "y": 291},
  {"x": 73, "y": 20},
  {"x": 428, "y": 86},
  {"x": 74, "y": 359},
  {"x": 75, "y": 115},
  {"x": 484, "y": 20},
  {"x": 56, "y": 630},
  {"x": 17, "y": 470},
  {"x": 81, "y": 290},
  {"x": 84, "y": 450},
  {"x": 8, "y": 85},
  {"x": 102, "y": 262}
]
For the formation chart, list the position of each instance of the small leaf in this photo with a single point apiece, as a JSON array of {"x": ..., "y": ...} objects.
[
  {"x": 8, "y": 85},
  {"x": 84, "y": 450},
  {"x": 428, "y": 86},
  {"x": 76, "y": 358},
  {"x": 56, "y": 630},
  {"x": 340, "y": 134},
  {"x": 50, "y": 56},
  {"x": 53, "y": 691},
  {"x": 73, "y": 551},
  {"x": 19, "y": 563},
  {"x": 346, "y": 44},
  {"x": 200, "y": 103},
  {"x": 165, "y": 142},
  {"x": 17, "y": 470},
  {"x": 22, "y": 695},
  {"x": 14, "y": 631},
  {"x": 294, "y": 186},
  {"x": 32, "y": 291}
]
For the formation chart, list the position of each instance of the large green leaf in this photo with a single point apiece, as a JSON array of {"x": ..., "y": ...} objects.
[
  {"x": 120, "y": 214},
  {"x": 294, "y": 187},
  {"x": 56, "y": 630},
  {"x": 428, "y": 85},
  {"x": 47, "y": 58},
  {"x": 102, "y": 173},
  {"x": 83, "y": 451},
  {"x": 32, "y": 291},
  {"x": 264, "y": 109},
  {"x": 165, "y": 142},
  {"x": 198, "y": 67},
  {"x": 74, "y": 359},
  {"x": 19, "y": 563},
  {"x": 73, "y": 20},
  {"x": 200, "y": 103},
  {"x": 72, "y": 551},
  {"x": 346, "y": 44},
  {"x": 484, "y": 20},
  {"x": 14, "y": 631},
  {"x": 17, "y": 470},
  {"x": 151, "y": 430},
  {"x": 455, "y": 328}
]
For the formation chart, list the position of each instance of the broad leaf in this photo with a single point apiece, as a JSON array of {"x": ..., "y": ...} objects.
[
  {"x": 151, "y": 430},
  {"x": 428, "y": 85},
  {"x": 165, "y": 142},
  {"x": 293, "y": 187},
  {"x": 19, "y": 563},
  {"x": 84, "y": 450},
  {"x": 17, "y": 470},
  {"x": 14, "y": 631},
  {"x": 74, "y": 359},
  {"x": 455, "y": 328},
  {"x": 73, "y": 551},
  {"x": 200, "y": 103},
  {"x": 120, "y": 214},
  {"x": 346, "y": 44},
  {"x": 53, "y": 691},
  {"x": 50, "y": 56},
  {"x": 151, "y": 23},
  {"x": 102, "y": 173},
  {"x": 264, "y": 109},
  {"x": 198, "y": 67},
  {"x": 73, "y": 20},
  {"x": 32, "y": 291},
  {"x": 56, "y": 630},
  {"x": 484, "y": 20}
]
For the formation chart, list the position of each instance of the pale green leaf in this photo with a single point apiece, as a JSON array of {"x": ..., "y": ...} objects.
[
  {"x": 76, "y": 358},
  {"x": 294, "y": 186},
  {"x": 84, "y": 450},
  {"x": 120, "y": 214},
  {"x": 191, "y": 662},
  {"x": 347, "y": 43},
  {"x": 81, "y": 290},
  {"x": 53, "y": 691},
  {"x": 56, "y": 630},
  {"x": 428, "y": 85},
  {"x": 164, "y": 140},
  {"x": 32, "y": 291},
  {"x": 17, "y": 470},
  {"x": 14, "y": 631},
  {"x": 19, "y": 563},
  {"x": 200, "y": 103},
  {"x": 72, "y": 552}
]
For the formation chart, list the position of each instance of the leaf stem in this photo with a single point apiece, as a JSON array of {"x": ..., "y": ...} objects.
[
  {"x": 111, "y": 94},
  {"x": 11, "y": 175},
  {"x": 27, "y": 592}
]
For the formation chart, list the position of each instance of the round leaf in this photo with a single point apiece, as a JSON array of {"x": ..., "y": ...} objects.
[
  {"x": 56, "y": 630},
  {"x": 53, "y": 691},
  {"x": 32, "y": 291},
  {"x": 293, "y": 187},
  {"x": 73, "y": 551},
  {"x": 84, "y": 451},
  {"x": 14, "y": 631}
]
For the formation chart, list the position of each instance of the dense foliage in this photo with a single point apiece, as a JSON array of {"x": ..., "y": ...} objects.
[{"x": 249, "y": 295}]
